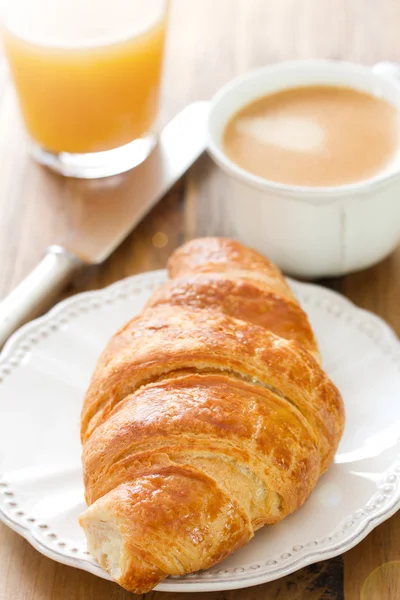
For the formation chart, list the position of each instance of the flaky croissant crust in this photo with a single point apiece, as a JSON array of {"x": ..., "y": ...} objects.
[{"x": 207, "y": 417}]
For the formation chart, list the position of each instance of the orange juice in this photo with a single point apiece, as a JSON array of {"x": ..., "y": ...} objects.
[{"x": 87, "y": 72}]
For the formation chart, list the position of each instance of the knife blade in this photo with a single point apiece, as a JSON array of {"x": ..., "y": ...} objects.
[{"x": 99, "y": 225}]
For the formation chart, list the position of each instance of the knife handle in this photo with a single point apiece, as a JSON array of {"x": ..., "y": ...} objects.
[{"x": 34, "y": 294}]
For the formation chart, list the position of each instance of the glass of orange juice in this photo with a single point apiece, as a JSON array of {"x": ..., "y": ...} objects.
[{"x": 87, "y": 75}]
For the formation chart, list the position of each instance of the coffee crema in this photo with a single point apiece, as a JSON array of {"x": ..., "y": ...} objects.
[{"x": 314, "y": 136}]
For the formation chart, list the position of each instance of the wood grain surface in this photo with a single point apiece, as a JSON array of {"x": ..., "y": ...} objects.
[{"x": 209, "y": 42}]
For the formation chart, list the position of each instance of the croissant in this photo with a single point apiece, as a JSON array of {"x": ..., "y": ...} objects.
[{"x": 207, "y": 417}]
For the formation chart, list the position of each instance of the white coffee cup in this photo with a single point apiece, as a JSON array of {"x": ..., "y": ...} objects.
[{"x": 310, "y": 231}]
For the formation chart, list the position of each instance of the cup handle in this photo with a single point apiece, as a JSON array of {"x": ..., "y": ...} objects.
[{"x": 387, "y": 69}]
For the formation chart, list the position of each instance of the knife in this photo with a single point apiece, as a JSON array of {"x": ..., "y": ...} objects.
[{"x": 100, "y": 231}]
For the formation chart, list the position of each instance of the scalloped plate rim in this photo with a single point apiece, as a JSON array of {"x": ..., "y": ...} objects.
[{"x": 365, "y": 526}]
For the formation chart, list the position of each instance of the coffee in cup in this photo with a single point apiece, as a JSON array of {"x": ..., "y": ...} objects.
[{"x": 319, "y": 135}]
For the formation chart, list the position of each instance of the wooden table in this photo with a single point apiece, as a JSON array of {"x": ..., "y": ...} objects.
[{"x": 210, "y": 41}]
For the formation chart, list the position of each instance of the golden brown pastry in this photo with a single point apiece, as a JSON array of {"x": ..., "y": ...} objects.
[
  {"x": 200, "y": 424},
  {"x": 220, "y": 274},
  {"x": 222, "y": 255}
]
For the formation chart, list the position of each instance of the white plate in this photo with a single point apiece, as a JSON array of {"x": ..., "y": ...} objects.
[{"x": 45, "y": 368}]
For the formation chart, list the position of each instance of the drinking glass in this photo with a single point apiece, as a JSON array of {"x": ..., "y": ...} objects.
[{"x": 87, "y": 75}]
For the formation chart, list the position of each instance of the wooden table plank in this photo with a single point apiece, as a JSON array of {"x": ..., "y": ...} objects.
[
  {"x": 322, "y": 581},
  {"x": 209, "y": 42}
]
